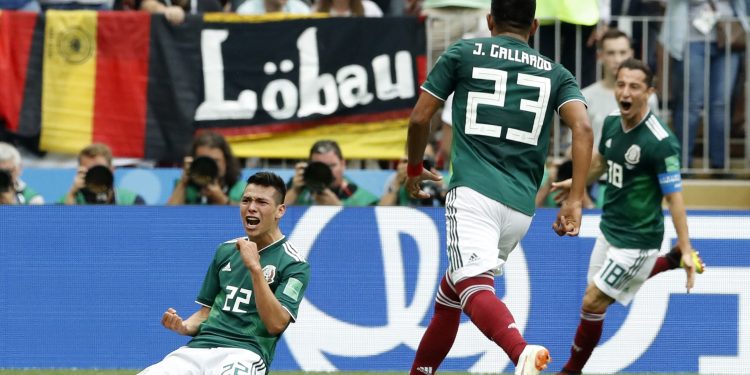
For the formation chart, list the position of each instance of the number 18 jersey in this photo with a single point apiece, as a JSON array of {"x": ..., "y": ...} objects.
[{"x": 505, "y": 94}]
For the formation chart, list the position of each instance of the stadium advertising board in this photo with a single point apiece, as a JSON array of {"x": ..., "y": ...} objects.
[{"x": 86, "y": 286}]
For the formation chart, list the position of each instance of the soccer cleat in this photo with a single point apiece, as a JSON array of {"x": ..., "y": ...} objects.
[
  {"x": 697, "y": 261},
  {"x": 533, "y": 360}
]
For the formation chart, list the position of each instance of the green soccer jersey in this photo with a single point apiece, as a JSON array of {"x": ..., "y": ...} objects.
[
  {"x": 228, "y": 290},
  {"x": 505, "y": 94},
  {"x": 643, "y": 164}
]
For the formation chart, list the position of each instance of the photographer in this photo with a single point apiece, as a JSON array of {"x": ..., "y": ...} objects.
[
  {"x": 314, "y": 184},
  {"x": 210, "y": 174},
  {"x": 94, "y": 180},
  {"x": 12, "y": 189}
]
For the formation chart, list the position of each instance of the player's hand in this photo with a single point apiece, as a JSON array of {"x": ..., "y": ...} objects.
[
  {"x": 326, "y": 197},
  {"x": 173, "y": 322},
  {"x": 563, "y": 189},
  {"x": 414, "y": 184},
  {"x": 568, "y": 220},
  {"x": 249, "y": 253},
  {"x": 689, "y": 266},
  {"x": 298, "y": 182}
]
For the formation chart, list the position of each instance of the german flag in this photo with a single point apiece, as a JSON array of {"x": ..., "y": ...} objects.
[
  {"x": 19, "y": 69},
  {"x": 136, "y": 82},
  {"x": 95, "y": 80}
]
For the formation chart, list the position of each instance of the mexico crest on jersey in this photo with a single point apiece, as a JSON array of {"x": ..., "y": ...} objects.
[
  {"x": 269, "y": 273},
  {"x": 633, "y": 155}
]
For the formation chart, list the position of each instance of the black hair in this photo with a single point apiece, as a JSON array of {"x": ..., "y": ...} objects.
[
  {"x": 215, "y": 140},
  {"x": 516, "y": 15},
  {"x": 612, "y": 34},
  {"x": 269, "y": 179},
  {"x": 635, "y": 64},
  {"x": 326, "y": 145}
]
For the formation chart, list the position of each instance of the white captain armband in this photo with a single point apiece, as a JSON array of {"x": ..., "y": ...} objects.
[{"x": 670, "y": 182}]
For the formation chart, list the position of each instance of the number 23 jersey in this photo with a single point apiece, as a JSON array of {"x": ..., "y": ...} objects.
[{"x": 505, "y": 94}]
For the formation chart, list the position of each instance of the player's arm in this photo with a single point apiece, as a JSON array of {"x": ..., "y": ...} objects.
[
  {"x": 679, "y": 219},
  {"x": 189, "y": 327},
  {"x": 574, "y": 115},
  {"x": 274, "y": 317},
  {"x": 416, "y": 141}
]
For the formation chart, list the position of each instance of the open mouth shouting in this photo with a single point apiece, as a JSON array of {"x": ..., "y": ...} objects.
[
  {"x": 251, "y": 222},
  {"x": 625, "y": 105}
]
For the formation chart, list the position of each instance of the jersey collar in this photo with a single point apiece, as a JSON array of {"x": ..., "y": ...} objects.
[{"x": 626, "y": 131}]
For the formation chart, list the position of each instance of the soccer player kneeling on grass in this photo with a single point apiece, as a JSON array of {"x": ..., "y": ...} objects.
[{"x": 251, "y": 292}]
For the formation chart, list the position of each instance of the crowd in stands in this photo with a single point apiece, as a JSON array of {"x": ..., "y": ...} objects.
[{"x": 176, "y": 10}]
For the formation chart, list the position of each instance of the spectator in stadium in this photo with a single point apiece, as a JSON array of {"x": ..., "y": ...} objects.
[
  {"x": 273, "y": 6},
  {"x": 76, "y": 5},
  {"x": 688, "y": 26},
  {"x": 94, "y": 180},
  {"x": 497, "y": 167},
  {"x": 13, "y": 189},
  {"x": 642, "y": 159},
  {"x": 395, "y": 193},
  {"x": 175, "y": 11},
  {"x": 450, "y": 20},
  {"x": 21, "y": 5},
  {"x": 214, "y": 178},
  {"x": 321, "y": 180},
  {"x": 348, "y": 8},
  {"x": 251, "y": 292}
]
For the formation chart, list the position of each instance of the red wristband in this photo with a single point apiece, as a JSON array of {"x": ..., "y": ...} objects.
[{"x": 414, "y": 170}]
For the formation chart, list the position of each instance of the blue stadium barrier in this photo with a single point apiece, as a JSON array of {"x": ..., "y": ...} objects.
[
  {"x": 155, "y": 185},
  {"x": 86, "y": 286}
]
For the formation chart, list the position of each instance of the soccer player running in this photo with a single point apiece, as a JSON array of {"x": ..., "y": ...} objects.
[
  {"x": 505, "y": 95},
  {"x": 642, "y": 159},
  {"x": 251, "y": 292}
]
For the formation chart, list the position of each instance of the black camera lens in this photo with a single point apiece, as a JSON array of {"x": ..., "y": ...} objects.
[
  {"x": 317, "y": 176},
  {"x": 6, "y": 181},
  {"x": 98, "y": 184},
  {"x": 99, "y": 179},
  {"x": 203, "y": 171}
]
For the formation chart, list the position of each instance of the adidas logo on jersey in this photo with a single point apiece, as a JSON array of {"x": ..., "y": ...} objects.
[
  {"x": 473, "y": 258},
  {"x": 425, "y": 370},
  {"x": 227, "y": 268}
]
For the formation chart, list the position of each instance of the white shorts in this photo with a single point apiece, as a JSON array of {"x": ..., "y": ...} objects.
[
  {"x": 619, "y": 273},
  {"x": 208, "y": 361},
  {"x": 481, "y": 233}
]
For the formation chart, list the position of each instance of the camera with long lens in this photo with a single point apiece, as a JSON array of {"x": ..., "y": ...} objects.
[
  {"x": 6, "y": 181},
  {"x": 98, "y": 185},
  {"x": 317, "y": 176},
  {"x": 203, "y": 171}
]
